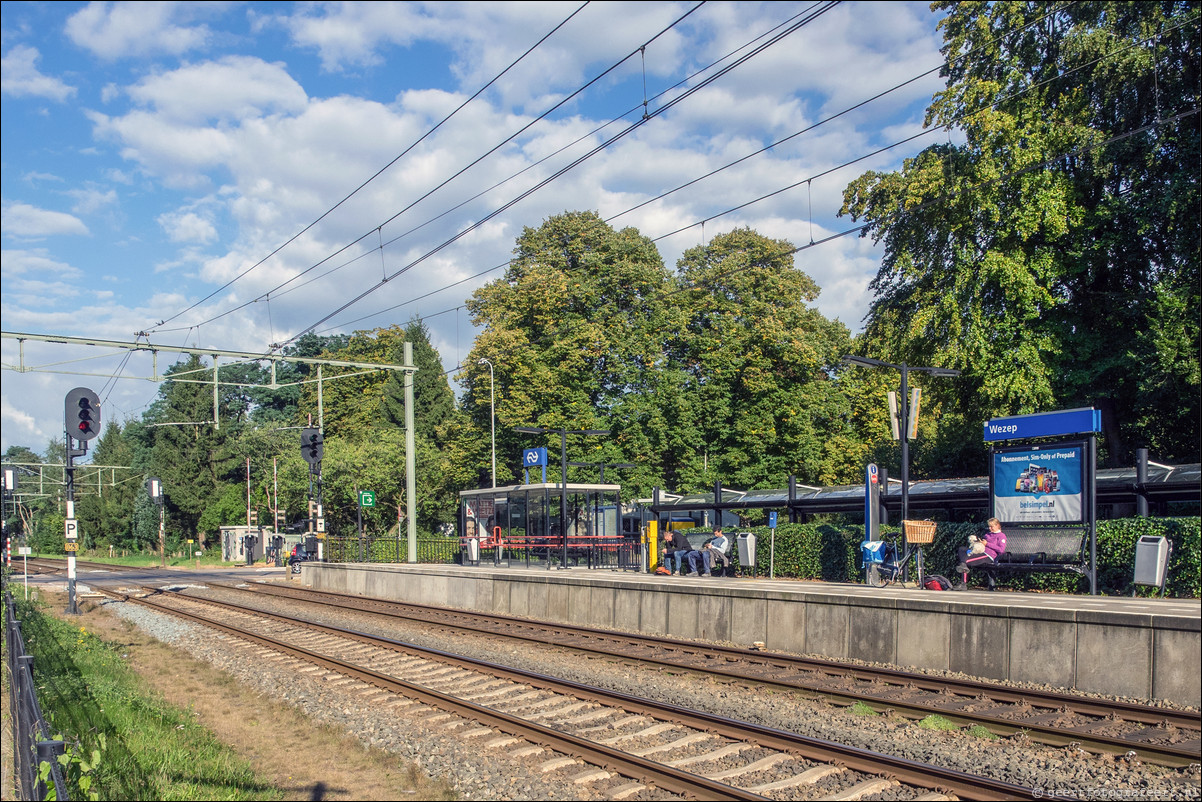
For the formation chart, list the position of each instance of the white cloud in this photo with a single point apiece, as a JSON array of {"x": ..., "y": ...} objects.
[
  {"x": 232, "y": 88},
  {"x": 91, "y": 200},
  {"x": 20, "y": 77},
  {"x": 22, "y": 221},
  {"x": 350, "y": 33},
  {"x": 130, "y": 29},
  {"x": 20, "y": 428},
  {"x": 23, "y": 262},
  {"x": 34, "y": 279},
  {"x": 187, "y": 226}
]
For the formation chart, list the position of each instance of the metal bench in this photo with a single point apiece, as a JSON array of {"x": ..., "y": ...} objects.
[{"x": 1042, "y": 550}]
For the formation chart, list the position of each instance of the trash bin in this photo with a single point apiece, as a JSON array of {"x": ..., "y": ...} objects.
[
  {"x": 1151, "y": 560},
  {"x": 746, "y": 541},
  {"x": 473, "y": 549}
]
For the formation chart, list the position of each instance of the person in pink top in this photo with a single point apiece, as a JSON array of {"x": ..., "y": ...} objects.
[{"x": 995, "y": 546}]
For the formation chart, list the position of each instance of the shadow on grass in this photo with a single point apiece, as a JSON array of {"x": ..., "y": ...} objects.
[{"x": 74, "y": 702}]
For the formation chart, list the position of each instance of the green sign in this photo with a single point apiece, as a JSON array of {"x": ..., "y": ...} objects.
[{"x": 367, "y": 498}]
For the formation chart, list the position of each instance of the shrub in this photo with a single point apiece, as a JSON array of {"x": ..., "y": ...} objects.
[{"x": 831, "y": 553}]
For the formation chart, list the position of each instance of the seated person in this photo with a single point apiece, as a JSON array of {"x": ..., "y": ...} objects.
[
  {"x": 677, "y": 546},
  {"x": 994, "y": 546},
  {"x": 715, "y": 550}
]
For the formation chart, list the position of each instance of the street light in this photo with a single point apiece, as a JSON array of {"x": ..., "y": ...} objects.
[
  {"x": 563, "y": 465},
  {"x": 492, "y": 406},
  {"x": 903, "y": 413}
]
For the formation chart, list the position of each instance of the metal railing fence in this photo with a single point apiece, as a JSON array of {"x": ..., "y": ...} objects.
[{"x": 32, "y": 744}]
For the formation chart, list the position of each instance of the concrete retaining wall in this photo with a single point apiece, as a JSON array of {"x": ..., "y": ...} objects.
[{"x": 1137, "y": 655}]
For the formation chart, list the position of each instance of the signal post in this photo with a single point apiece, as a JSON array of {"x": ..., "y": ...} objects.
[
  {"x": 82, "y": 417},
  {"x": 312, "y": 447}
]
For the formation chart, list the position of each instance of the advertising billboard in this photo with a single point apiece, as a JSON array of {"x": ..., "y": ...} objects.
[{"x": 1035, "y": 485}]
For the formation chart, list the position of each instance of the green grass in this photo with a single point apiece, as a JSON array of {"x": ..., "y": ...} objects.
[
  {"x": 211, "y": 556},
  {"x": 147, "y": 748},
  {"x": 937, "y": 722},
  {"x": 979, "y": 731},
  {"x": 861, "y": 709}
]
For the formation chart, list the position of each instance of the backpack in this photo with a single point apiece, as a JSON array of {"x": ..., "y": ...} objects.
[
  {"x": 659, "y": 569},
  {"x": 937, "y": 582}
]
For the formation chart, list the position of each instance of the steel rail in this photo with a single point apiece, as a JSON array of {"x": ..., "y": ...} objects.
[
  {"x": 713, "y": 658},
  {"x": 865, "y": 761}
]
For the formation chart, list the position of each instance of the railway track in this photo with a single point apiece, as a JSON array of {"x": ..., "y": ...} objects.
[
  {"x": 1153, "y": 734},
  {"x": 623, "y": 737}
]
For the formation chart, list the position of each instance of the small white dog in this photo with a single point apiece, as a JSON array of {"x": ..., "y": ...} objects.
[{"x": 975, "y": 545}]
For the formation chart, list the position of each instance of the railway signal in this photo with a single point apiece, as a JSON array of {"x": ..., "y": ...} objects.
[
  {"x": 83, "y": 413},
  {"x": 311, "y": 446}
]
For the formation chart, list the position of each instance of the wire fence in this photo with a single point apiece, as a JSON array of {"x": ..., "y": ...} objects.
[{"x": 32, "y": 744}]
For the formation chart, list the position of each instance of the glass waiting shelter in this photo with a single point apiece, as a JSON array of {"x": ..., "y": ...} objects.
[{"x": 526, "y": 523}]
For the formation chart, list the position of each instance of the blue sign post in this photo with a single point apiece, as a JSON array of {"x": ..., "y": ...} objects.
[
  {"x": 532, "y": 458},
  {"x": 872, "y": 503}
]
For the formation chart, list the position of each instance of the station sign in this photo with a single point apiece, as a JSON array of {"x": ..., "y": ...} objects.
[
  {"x": 1044, "y": 424},
  {"x": 533, "y": 457}
]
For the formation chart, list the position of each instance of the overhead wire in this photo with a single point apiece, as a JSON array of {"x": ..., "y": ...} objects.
[
  {"x": 446, "y": 181},
  {"x": 729, "y": 165},
  {"x": 382, "y": 170},
  {"x": 580, "y": 160}
]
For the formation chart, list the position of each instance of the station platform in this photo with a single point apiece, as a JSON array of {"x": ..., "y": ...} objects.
[{"x": 1139, "y": 648}]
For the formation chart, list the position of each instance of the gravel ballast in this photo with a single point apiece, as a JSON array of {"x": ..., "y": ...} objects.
[{"x": 479, "y": 772}]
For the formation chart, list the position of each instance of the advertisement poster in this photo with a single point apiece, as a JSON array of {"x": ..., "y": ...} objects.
[{"x": 1043, "y": 485}]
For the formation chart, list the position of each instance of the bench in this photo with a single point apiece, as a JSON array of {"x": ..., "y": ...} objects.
[
  {"x": 697, "y": 540},
  {"x": 1042, "y": 550}
]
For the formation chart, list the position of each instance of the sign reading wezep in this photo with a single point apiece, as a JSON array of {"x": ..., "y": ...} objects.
[{"x": 1044, "y": 424}]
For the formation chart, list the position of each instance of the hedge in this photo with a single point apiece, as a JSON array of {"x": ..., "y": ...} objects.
[{"x": 831, "y": 553}]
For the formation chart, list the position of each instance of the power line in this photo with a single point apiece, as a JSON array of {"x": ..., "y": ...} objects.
[
  {"x": 381, "y": 171},
  {"x": 475, "y": 162},
  {"x": 692, "y": 182},
  {"x": 670, "y": 104}
]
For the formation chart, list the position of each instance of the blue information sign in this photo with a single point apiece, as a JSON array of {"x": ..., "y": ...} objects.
[
  {"x": 1044, "y": 424},
  {"x": 1039, "y": 485},
  {"x": 772, "y": 520},
  {"x": 533, "y": 457}
]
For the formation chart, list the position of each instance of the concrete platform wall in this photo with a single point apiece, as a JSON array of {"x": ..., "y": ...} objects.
[{"x": 1135, "y": 655}]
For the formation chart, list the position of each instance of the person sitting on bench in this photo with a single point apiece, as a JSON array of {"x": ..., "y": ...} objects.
[
  {"x": 994, "y": 547},
  {"x": 677, "y": 545},
  {"x": 715, "y": 550}
]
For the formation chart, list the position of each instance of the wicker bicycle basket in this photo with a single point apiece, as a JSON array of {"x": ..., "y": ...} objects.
[{"x": 921, "y": 532}]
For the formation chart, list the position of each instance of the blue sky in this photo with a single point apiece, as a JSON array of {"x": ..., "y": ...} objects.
[{"x": 152, "y": 152}]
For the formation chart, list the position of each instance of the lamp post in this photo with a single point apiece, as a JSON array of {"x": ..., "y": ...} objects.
[
  {"x": 492, "y": 407},
  {"x": 903, "y": 413},
  {"x": 563, "y": 473}
]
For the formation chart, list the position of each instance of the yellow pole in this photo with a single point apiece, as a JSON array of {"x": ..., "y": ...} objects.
[{"x": 652, "y": 541}]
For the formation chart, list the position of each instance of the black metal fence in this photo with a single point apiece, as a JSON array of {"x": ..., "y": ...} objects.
[
  {"x": 615, "y": 553},
  {"x": 390, "y": 549},
  {"x": 32, "y": 744}
]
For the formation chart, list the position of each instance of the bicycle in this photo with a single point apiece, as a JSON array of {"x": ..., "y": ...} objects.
[{"x": 883, "y": 564}]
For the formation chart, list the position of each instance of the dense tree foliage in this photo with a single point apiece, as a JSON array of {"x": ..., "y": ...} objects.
[
  {"x": 718, "y": 372},
  {"x": 1053, "y": 256}
]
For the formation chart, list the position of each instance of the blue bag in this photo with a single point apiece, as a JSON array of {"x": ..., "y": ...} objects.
[{"x": 873, "y": 551}]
